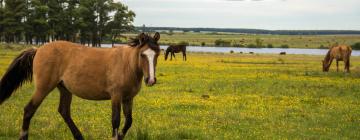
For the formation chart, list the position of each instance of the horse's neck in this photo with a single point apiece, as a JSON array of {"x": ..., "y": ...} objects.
[
  {"x": 327, "y": 58},
  {"x": 130, "y": 58}
]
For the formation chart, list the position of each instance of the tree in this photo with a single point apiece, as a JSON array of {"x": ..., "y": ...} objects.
[
  {"x": 121, "y": 22},
  {"x": 48, "y": 20},
  {"x": 14, "y": 13},
  {"x": 2, "y": 10},
  {"x": 36, "y": 22}
]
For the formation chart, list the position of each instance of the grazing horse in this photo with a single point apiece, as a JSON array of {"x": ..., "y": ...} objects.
[
  {"x": 175, "y": 49},
  {"x": 340, "y": 53},
  {"x": 90, "y": 73}
]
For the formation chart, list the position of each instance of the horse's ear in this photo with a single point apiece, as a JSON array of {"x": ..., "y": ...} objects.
[
  {"x": 157, "y": 36},
  {"x": 142, "y": 38}
]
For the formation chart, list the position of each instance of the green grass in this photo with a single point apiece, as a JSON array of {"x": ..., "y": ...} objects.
[
  {"x": 249, "y": 97},
  {"x": 294, "y": 41}
]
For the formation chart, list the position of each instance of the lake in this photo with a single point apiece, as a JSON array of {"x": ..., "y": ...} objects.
[{"x": 255, "y": 50}]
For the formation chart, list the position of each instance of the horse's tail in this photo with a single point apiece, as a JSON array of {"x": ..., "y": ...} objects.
[{"x": 19, "y": 71}]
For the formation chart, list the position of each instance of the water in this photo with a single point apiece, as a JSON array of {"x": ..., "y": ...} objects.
[{"x": 255, "y": 50}]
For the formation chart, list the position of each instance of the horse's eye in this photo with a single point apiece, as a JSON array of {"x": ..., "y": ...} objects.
[{"x": 142, "y": 55}]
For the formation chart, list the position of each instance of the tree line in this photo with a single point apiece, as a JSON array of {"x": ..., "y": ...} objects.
[
  {"x": 83, "y": 21},
  {"x": 256, "y": 31}
]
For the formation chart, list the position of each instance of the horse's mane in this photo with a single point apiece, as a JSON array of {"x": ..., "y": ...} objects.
[
  {"x": 327, "y": 57},
  {"x": 135, "y": 41}
]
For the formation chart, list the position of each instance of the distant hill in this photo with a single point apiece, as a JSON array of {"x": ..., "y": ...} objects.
[{"x": 255, "y": 31}]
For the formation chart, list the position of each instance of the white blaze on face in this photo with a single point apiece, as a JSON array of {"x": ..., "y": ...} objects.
[{"x": 150, "y": 54}]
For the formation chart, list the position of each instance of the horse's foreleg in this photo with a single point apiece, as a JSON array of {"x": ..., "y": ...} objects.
[
  {"x": 29, "y": 112},
  {"x": 64, "y": 110},
  {"x": 127, "y": 110},
  {"x": 337, "y": 65},
  {"x": 116, "y": 107}
]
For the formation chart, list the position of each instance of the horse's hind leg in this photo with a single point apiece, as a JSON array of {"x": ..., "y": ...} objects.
[
  {"x": 184, "y": 56},
  {"x": 30, "y": 110},
  {"x": 64, "y": 110},
  {"x": 347, "y": 65},
  {"x": 172, "y": 54},
  {"x": 127, "y": 110}
]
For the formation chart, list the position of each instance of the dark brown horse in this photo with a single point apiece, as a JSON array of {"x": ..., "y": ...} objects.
[
  {"x": 172, "y": 49},
  {"x": 90, "y": 73},
  {"x": 339, "y": 53}
]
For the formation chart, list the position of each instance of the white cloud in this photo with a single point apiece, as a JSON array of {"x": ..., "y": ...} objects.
[{"x": 268, "y": 14}]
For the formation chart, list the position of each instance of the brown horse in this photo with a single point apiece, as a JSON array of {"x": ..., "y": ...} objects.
[
  {"x": 340, "y": 53},
  {"x": 90, "y": 73},
  {"x": 175, "y": 49}
]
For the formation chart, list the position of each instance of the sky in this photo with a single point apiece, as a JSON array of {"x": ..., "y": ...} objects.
[{"x": 255, "y": 14}]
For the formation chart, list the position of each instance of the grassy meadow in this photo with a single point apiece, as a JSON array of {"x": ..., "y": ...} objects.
[
  {"x": 212, "y": 96},
  {"x": 293, "y": 41}
]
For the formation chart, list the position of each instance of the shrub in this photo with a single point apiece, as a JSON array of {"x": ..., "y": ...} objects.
[
  {"x": 184, "y": 43},
  {"x": 203, "y": 43},
  {"x": 284, "y": 46},
  {"x": 270, "y": 46},
  {"x": 356, "y": 46},
  {"x": 251, "y": 46},
  {"x": 231, "y": 51},
  {"x": 259, "y": 43},
  {"x": 322, "y": 47},
  {"x": 238, "y": 45},
  {"x": 221, "y": 42}
]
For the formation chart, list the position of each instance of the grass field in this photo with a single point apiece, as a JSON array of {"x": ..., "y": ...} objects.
[
  {"x": 250, "y": 97},
  {"x": 293, "y": 41}
]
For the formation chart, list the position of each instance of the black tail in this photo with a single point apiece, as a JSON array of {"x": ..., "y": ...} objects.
[{"x": 19, "y": 71}]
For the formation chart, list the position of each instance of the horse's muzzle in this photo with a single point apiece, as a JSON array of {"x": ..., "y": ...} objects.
[{"x": 150, "y": 82}]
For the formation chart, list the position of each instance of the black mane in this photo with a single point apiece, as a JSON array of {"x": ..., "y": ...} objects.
[{"x": 134, "y": 42}]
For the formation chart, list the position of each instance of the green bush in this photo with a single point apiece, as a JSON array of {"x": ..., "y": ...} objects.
[
  {"x": 220, "y": 42},
  {"x": 284, "y": 46},
  {"x": 356, "y": 46},
  {"x": 251, "y": 46},
  {"x": 322, "y": 47},
  {"x": 259, "y": 43},
  {"x": 238, "y": 45},
  {"x": 270, "y": 46},
  {"x": 184, "y": 43}
]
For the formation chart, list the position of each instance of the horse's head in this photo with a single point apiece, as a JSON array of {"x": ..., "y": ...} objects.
[
  {"x": 325, "y": 66},
  {"x": 149, "y": 51}
]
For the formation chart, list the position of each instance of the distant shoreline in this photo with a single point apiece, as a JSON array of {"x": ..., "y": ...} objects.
[{"x": 254, "y": 31}]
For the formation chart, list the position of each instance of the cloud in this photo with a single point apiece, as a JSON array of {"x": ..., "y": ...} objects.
[
  {"x": 249, "y": 0},
  {"x": 268, "y": 14}
]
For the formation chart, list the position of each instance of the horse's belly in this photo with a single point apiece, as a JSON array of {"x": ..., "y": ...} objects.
[
  {"x": 88, "y": 90},
  {"x": 92, "y": 96}
]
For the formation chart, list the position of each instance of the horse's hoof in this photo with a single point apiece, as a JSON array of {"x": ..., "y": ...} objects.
[
  {"x": 121, "y": 137},
  {"x": 23, "y": 138},
  {"x": 24, "y": 135}
]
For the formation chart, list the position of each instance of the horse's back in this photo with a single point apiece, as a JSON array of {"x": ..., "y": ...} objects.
[
  {"x": 341, "y": 52},
  {"x": 177, "y": 48},
  {"x": 345, "y": 50}
]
